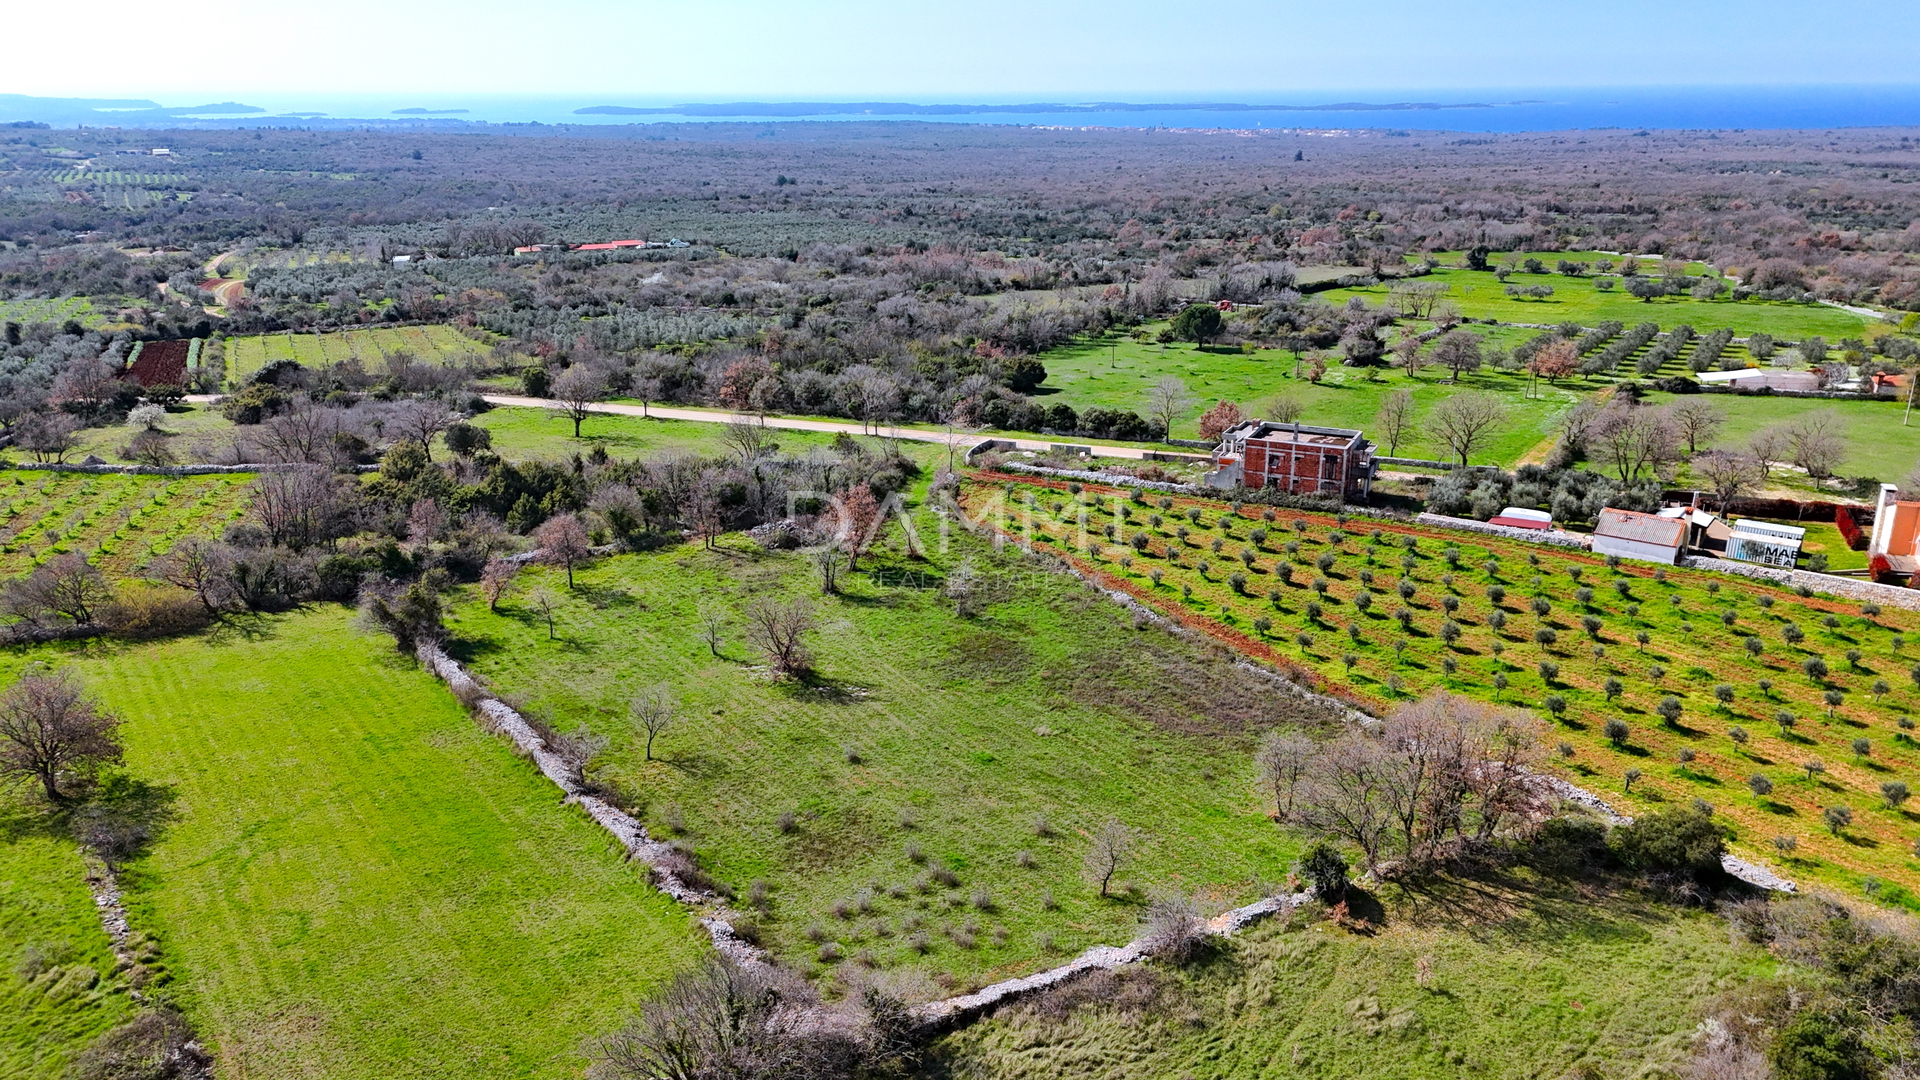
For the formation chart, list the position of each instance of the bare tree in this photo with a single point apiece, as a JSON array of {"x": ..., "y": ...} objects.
[
  {"x": 421, "y": 420},
  {"x": 496, "y": 578},
  {"x": 728, "y": 1021},
  {"x": 47, "y": 435},
  {"x": 563, "y": 542},
  {"x": 303, "y": 432},
  {"x": 1406, "y": 353},
  {"x": 1635, "y": 439},
  {"x": 544, "y": 604},
  {"x": 576, "y": 391},
  {"x": 1168, "y": 401},
  {"x": 1174, "y": 928},
  {"x": 704, "y": 510},
  {"x": 654, "y": 710},
  {"x": 1283, "y": 758},
  {"x": 66, "y": 585},
  {"x": 1465, "y": 423},
  {"x": 779, "y": 629},
  {"x": 1698, "y": 421},
  {"x": 1439, "y": 772},
  {"x": 1394, "y": 424},
  {"x": 713, "y": 623},
  {"x": 1284, "y": 408},
  {"x": 854, "y": 517},
  {"x": 1728, "y": 475},
  {"x": 1817, "y": 442},
  {"x": 198, "y": 566},
  {"x": 750, "y": 442},
  {"x": 301, "y": 507},
  {"x": 1112, "y": 846},
  {"x": 1459, "y": 352},
  {"x": 53, "y": 733},
  {"x": 1768, "y": 446}
]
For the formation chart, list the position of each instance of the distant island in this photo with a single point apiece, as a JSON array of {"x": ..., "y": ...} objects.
[
  {"x": 899, "y": 108},
  {"x": 417, "y": 111}
]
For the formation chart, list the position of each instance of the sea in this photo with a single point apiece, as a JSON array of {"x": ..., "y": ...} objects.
[{"x": 1483, "y": 110}]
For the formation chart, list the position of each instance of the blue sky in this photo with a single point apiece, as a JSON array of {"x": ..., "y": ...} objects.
[{"x": 981, "y": 49}]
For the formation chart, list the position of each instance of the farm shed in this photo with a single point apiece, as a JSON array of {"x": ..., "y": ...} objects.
[
  {"x": 1633, "y": 535},
  {"x": 1519, "y": 517}
]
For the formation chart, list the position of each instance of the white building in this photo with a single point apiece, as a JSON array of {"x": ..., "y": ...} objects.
[{"x": 1765, "y": 543}]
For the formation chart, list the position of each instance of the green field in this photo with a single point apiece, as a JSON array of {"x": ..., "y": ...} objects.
[
  {"x": 1878, "y": 444},
  {"x": 1048, "y": 704},
  {"x": 1480, "y": 295},
  {"x": 45, "y": 911},
  {"x": 1687, "y": 641},
  {"x": 120, "y": 521},
  {"x": 521, "y": 433},
  {"x": 362, "y": 882},
  {"x": 1524, "y": 981},
  {"x": 1117, "y": 373},
  {"x": 185, "y": 425},
  {"x": 430, "y": 344},
  {"x": 78, "y": 308}
]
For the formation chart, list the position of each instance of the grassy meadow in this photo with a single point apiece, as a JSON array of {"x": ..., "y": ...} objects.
[
  {"x": 1515, "y": 979},
  {"x": 58, "y": 990},
  {"x": 430, "y": 344},
  {"x": 1697, "y": 629},
  {"x": 1878, "y": 444},
  {"x": 1048, "y": 705},
  {"x": 1116, "y": 372},
  {"x": 1478, "y": 294},
  {"x": 521, "y": 433},
  {"x": 359, "y": 881}
]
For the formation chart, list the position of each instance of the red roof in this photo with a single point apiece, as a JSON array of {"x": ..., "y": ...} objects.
[
  {"x": 611, "y": 244},
  {"x": 1519, "y": 523}
]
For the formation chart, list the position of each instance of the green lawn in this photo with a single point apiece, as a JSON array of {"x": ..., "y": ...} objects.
[
  {"x": 1050, "y": 703},
  {"x": 361, "y": 881},
  {"x": 1116, "y": 372},
  {"x": 1688, "y": 653},
  {"x": 521, "y": 433},
  {"x": 45, "y": 909},
  {"x": 185, "y": 424},
  {"x": 1556, "y": 983},
  {"x": 431, "y": 344},
  {"x": 1480, "y": 295},
  {"x": 1878, "y": 444}
]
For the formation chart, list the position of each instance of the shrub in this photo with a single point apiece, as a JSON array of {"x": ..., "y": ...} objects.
[
  {"x": 1617, "y": 731},
  {"x": 1681, "y": 840},
  {"x": 1174, "y": 929},
  {"x": 143, "y": 610},
  {"x": 1325, "y": 871}
]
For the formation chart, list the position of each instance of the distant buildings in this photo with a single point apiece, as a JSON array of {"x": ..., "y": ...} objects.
[{"x": 1295, "y": 458}]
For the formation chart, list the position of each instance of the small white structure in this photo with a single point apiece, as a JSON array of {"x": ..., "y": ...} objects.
[
  {"x": 1633, "y": 535},
  {"x": 1519, "y": 517},
  {"x": 402, "y": 260},
  {"x": 1765, "y": 542},
  {"x": 161, "y": 151}
]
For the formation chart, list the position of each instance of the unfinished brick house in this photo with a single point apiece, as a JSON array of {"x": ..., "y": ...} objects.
[{"x": 1296, "y": 458}]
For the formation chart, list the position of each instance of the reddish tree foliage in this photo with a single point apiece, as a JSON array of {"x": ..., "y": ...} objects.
[
  {"x": 1215, "y": 421},
  {"x": 1556, "y": 361},
  {"x": 855, "y": 518}
]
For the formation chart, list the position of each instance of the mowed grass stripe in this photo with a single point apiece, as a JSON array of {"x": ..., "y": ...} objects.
[{"x": 362, "y": 882}]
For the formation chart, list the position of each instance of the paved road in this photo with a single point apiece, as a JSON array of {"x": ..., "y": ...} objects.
[{"x": 959, "y": 439}]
